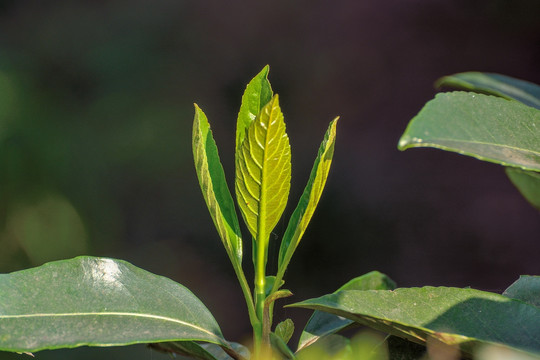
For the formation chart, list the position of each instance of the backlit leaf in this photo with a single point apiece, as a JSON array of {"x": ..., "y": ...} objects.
[
  {"x": 257, "y": 94},
  {"x": 486, "y": 127},
  {"x": 458, "y": 317},
  {"x": 97, "y": 302},
  {"x": 214, "y": 187},
  {"x": 310, "y": 198},
  {"x": 263, "y": 171},
  {"x": 528, "y": 184}
]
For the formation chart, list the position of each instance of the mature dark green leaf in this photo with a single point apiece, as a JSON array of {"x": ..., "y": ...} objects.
[
  {"x": 462, "y": 317},
  {"x": 310, "y": 198},
  {"x": 236, "y": 351},
  {"x": 257, "y": 94},
  {"x": 329, "y": 348},
  {"x": 494, "y": 84},
  {"x": 214, "y": 187},
  {"x": 322, "y": 323},
  {"x": 263, "y": 171},
  {"x": 528, "y": 184},
  {"x": 98, "y": 302},
  {"x": 485, "y": 127},
  {"x": 526, "y": 288}
]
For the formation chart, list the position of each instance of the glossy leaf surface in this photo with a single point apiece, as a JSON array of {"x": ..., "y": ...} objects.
[
  {"x": 322, "y": 323},
  {"x": 310, "y": 198},
  {"x": 485, "y": 127},
  {"x": 263, "y": 171},
  {"x": 214, "y": 187},
  {"x": 97, "y": 302},
  {"x": 526, "y": 288},
  {"x": 528, "y": 184},
  {"x": 257, "y": 94},
  {"x": 461, "y": 317},
  {"x": 494, "y": 84}
]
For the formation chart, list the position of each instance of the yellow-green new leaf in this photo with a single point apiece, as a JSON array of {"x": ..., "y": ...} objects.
[
  {"x": 257, "y": 94},
  {"x": 309, "y": 199},
  {"x": 263, "y": 171},
  {"x": 214, "y": 187}
]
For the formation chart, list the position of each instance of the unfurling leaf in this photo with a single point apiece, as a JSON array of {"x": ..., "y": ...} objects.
[
  {"x": 257, "y": 94},
  {"x": 310, "y": 198},
  {"x": 214, "y": 187}
]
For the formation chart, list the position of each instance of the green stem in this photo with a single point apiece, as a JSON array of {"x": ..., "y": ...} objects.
[
  {"x": 246, "y": 290},
  {"x": 260, "y": 295}
]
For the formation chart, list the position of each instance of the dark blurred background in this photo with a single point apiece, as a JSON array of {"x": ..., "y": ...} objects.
[{"x": 96, "y": 107}]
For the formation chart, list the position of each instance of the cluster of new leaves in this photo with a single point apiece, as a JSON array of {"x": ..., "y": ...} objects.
[{"x": 106, "y": 302}]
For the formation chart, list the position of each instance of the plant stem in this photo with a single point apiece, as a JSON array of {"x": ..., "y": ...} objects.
[
  {"x": 260, "y": 283},
  {"x": 246, "y": 290}
]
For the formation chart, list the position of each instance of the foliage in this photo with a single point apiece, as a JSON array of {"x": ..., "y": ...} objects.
[{"x": 106, "y": 302}]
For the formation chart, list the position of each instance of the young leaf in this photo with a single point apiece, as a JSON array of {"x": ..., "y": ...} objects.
[
  {"x": 285, "y": 330},
  {"x": 494, "y": 84},
  {"x": 323, "y": 324},
  {"x": 263, "y": 172},
  {"x": 214, "y": 187},
  {"x": 528, "y": 184},
  {"x": 461, "y": 317},
  {"x": 526, "y": 289},
  {"x": 98, "y": 302},
  {"x": 257, "y": 94},
  {"x": 308, "y": 201},
  {"x": 485, "y": 127}
]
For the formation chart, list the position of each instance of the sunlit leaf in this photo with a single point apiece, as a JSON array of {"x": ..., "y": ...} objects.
[
  {"x": 494, "y": 84},
  {"x": 214, "y": 187},
  {"x": 97, "y": 302},
  {"x": 322, "y": 323},
  {"x": 528, "y": 184},
  {"x": 460, "y": 317},
  {"x": 263, "y": 171},
  {"x": 486, "y": 127},
  {"x": 310, "y": 198},
  {"x": 257, "y": 94},
  {"x": 526, "y": 288}
]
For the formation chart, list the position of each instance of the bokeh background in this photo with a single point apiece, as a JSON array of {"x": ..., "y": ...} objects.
[{"x": 96, "y": 107}]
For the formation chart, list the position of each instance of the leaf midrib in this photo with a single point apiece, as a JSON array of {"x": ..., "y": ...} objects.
[{"x": 109, "y": 313}]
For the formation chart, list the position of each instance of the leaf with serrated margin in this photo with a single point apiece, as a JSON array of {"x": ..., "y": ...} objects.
[
  {"x": 494, "y": 84},
  {"x": 322, "y": 323},
  {"x": 257, "y": 94},
  {"x": 458, "y": 317},
  {"x": 526, "y": 288},
  {"x": 310, "y": 198},
  {"x": 263, "y": 171},
  {"x": 98, "y": 302},
  {"x": 528, "y": 184},
  {"x": 214, "y": 187},
  {"x": 486, "y": 127}
]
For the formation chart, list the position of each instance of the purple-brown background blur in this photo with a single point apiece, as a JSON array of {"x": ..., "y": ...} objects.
[{"x": 95, "y": 129}]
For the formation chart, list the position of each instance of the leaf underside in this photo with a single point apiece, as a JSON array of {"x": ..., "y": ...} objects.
[
  {"x": 97, "y": 302},
  {"x": 263, "y": 171},
  {"x": 494, "y": 84},
  {"x": 486, "y": 127},
  {"x": 214, "y": 187},
  {"x": 322, "y": 324},
  {"x": 526, "y": 289},
  {"x": 459, "y": 317}
]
